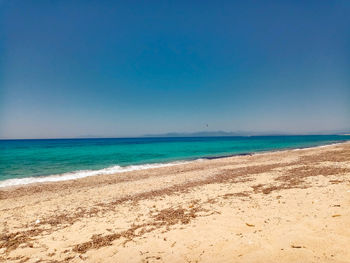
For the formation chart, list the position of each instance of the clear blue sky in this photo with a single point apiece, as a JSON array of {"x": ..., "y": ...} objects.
[{"x": 127, "y": 68}]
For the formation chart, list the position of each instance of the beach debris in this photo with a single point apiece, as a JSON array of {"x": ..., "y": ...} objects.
[
  {"x": 337, "y": 215},
  {"x": 154, "y": 257},
  {"x": 172, "y": 216},
  {"x": 37, "y": 221},
  {"x": 250, "y": 225},
  {"x": 12, "y": 241},
  {"x": 165, "y": 218},
  {"x": 295, "y": 246}
]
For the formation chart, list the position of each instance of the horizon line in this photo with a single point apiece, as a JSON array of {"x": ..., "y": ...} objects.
[{"x": 179, "y": 136}]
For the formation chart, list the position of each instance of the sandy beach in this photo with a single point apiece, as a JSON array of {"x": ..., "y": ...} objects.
[{"x": 286, "y": 206}]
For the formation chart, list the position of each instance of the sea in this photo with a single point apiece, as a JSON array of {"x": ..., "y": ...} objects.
[{"x": 50, "y": 160}]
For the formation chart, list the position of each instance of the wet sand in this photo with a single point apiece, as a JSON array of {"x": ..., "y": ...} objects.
[{"x": 287, "y": 206}]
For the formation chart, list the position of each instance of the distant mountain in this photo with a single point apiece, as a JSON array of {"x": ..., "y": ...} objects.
[
  {"x": 90, "y": 136},
  {"x": 238, "y": 133},
  {"x": 209, "y": 134}
]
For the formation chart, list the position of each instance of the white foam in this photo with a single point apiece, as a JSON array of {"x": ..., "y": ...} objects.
[{"x": 83, "y": 173}]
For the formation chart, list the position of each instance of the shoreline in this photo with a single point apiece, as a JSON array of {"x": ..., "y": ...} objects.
[
  {"x": 116, "y": 169},
  {"x": 284, "y": 206},
  {"x": 275, "y": 150}
]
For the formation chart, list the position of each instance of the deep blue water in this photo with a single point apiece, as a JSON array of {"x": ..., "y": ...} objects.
[{"x": 33, "y": 158}]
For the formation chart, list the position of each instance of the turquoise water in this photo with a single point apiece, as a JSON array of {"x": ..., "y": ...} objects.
[{"x": 37, "y": 158}]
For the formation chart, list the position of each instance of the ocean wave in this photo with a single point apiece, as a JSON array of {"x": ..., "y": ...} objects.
[{"x": 84, "y": 173}]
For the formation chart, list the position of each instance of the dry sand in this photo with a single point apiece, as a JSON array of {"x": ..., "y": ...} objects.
[{"x": 288, "y": 206}]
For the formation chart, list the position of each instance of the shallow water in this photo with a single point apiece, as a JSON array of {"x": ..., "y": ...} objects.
[{"x": 75, "y": 158}]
